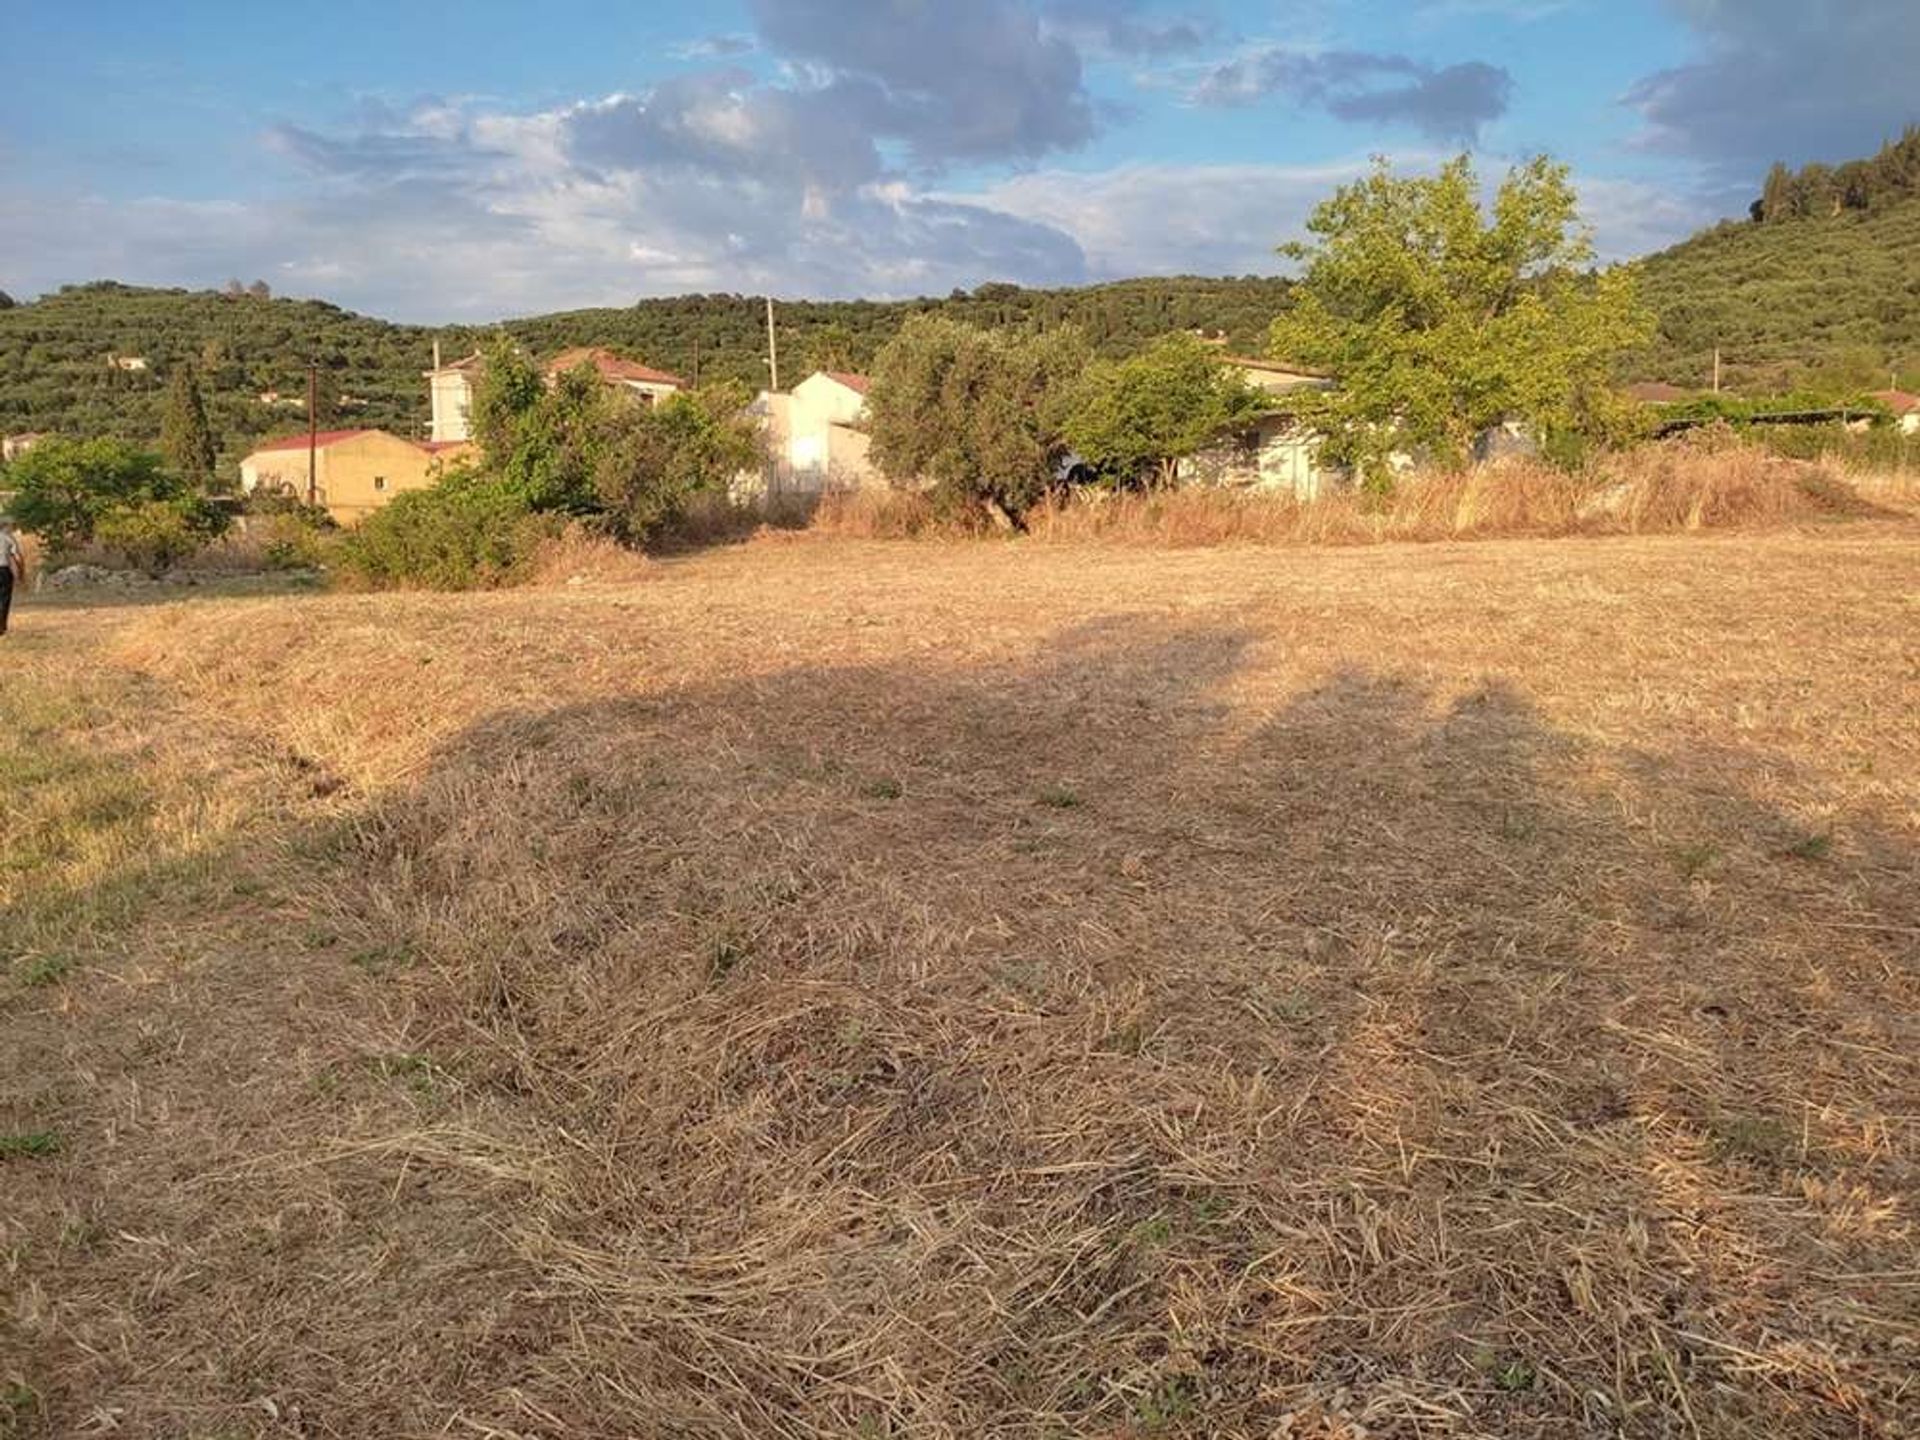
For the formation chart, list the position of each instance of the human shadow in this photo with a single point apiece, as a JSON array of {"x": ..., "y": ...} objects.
[{"x": 1095, "y": 1043}]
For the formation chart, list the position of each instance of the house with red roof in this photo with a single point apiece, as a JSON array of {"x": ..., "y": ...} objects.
[
  {"x": 351, "y": 473},
  {"x": 1905, "y": 408},
  {"x": 651, "y": 385}
]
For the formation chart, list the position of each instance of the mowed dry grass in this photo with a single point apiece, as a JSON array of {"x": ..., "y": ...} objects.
[{"x": 835, "y": 989}]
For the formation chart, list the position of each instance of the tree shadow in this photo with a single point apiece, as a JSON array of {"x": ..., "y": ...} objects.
[{"x": 1106, "y": 1042}]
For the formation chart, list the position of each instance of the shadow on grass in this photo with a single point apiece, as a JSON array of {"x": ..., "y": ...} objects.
[{"x": 1110, "y": 1046}]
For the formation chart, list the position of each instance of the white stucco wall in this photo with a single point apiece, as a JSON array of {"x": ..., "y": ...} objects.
[{"x": 451, "y": 393}]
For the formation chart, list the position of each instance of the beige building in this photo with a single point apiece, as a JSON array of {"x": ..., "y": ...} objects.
[
  {"x": 355, "y": 472},
  {"x": 816, "y": 440}
]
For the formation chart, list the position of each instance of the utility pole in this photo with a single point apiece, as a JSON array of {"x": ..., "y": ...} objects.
[
  {"x": 773, "y": 350},
  {"x": 313, "y": 432},
  {"x": 696, "y": 362},
  {"x": 1716, "y": 369}
]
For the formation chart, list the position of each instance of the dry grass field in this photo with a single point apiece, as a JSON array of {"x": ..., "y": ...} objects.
[{"x": 844, "y": 989}]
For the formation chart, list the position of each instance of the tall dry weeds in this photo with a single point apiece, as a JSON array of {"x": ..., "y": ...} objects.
[{"x": 1709, "y": 482}]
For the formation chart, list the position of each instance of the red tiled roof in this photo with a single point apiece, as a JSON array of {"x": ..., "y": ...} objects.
[
  {"x": 859, "y": 384},
  {"x": 300, "y": 441},
  {"x": 610, "y": 366},
  {"x": 1898, "y": 401}
]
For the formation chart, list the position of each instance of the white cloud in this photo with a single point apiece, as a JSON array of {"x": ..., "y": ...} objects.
[
  {"x": 1173, "y": 219},
  {"x": 1229, "y": 219}
]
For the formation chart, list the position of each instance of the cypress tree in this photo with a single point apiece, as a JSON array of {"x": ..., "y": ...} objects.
[{"x": 185, "y": 437}]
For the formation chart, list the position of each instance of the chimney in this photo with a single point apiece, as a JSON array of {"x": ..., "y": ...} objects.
[{"x": 436, "y": 354}]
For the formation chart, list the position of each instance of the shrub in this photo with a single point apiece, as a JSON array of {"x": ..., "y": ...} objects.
[
  {"x": 656, "y": 461},
  {"x": 155, "y": 535},
  {"x": 1135, "y": 420},
  {"x": 63, "y": 487},
  {"x": 465, "y": 533}
]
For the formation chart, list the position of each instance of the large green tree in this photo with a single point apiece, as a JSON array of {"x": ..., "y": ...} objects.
[
  {"x": 1134, "y": 420},
  {"x": 1442, "y": 317},
  {"x": 186, "y": 440},
  {"x": 977, "y": 414},
  {"x": 656, "y": 459},
  {"x": 67, "y": 490},
  {"x": 543, "y": 442}
]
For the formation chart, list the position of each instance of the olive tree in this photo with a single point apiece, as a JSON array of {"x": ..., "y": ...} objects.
[{"x": 975, "y": 414}]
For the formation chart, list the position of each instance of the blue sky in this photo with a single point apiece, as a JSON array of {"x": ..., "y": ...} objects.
[{"x": 467, "y": 161}]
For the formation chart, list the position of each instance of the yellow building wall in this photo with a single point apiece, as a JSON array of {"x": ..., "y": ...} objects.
[{"x": 354, "y": 477}]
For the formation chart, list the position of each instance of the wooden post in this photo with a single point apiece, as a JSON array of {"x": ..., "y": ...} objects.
[
  {"x": 313, "y": 432},
  {"x": 773, "y": 351}
]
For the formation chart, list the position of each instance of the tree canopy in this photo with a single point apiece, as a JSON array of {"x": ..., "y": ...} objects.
[
  {"x": 977, "y": 413},
  {"x": 1442, "y": 317},
  {"x": 69, "y": 491},
  {"x": 1136, "y": 419},
  {"x": 657, "y": 458}
]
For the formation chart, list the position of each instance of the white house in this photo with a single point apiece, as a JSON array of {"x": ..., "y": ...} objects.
[
  {"x": 1273, "y": 452},
  {"x": 1276, "y": 377},
  {"x": 815, "y": 436},
  {"x": 450, "y": 393}
]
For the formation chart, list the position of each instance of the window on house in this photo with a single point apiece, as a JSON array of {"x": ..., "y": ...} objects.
[{"x": 379, "y": 482}]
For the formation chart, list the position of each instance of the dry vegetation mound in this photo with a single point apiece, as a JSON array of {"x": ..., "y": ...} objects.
[
  {"x": 1710, "y": 482},
  {"x": 838, "y": 991}
]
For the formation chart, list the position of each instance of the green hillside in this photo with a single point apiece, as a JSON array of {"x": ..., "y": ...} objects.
[
  {"x": 1833, "y": 301},
  {"x": 55, "y": 375},
  {"x": 1821, "y": 288}
]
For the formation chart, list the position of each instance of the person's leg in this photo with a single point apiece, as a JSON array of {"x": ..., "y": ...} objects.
[{"x": 6, "y": 596}]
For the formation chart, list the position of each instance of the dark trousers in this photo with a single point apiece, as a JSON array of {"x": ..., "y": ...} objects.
[{"x": 6, "y": 595}]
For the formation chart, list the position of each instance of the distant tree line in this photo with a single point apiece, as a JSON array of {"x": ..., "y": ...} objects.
[{"x": 1822, "y": 191}]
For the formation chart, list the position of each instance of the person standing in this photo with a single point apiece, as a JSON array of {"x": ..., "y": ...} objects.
[{"x": 13, "y": 568}]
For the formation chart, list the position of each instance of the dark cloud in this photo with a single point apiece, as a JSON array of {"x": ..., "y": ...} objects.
[
  {"x": 1773, "y": 79},
  {"x": 982, "y": 81},
  {"x": 1450, "y": 104}
]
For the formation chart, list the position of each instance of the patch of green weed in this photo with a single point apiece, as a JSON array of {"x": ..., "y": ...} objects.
[{"x": 29, "y": 1145}]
